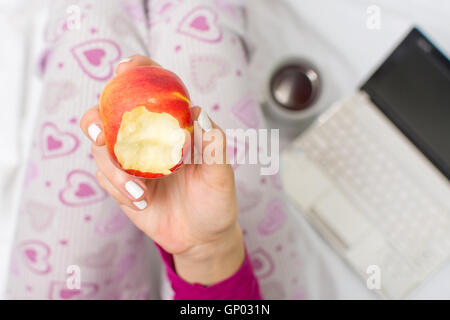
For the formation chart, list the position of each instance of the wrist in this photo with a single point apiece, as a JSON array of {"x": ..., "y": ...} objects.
[{"x": 212, "y": 262}]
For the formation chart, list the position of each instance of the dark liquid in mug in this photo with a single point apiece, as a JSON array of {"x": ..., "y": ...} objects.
[{"x": 294, "y": 86}]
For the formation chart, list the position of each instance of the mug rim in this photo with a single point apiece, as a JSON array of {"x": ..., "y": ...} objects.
[{"x": 291, "y": 114}]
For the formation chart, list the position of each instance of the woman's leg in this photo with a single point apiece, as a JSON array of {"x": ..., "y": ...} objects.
[
  {"x": 68, "y": 229},
  {"x": 204, "y": 42}
]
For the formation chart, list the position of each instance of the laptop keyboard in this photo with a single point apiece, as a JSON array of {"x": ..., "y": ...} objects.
[{"x": 358, "y": 160}]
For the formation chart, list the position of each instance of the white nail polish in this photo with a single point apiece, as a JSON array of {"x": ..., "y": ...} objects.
[
  {"x": 124, "y": 60},
  {"x": 134, "y": 189},
  {"x": 204, "y": 122},
  {"x": 94, "y": 131},
  {"x": 141, "y": 205}
]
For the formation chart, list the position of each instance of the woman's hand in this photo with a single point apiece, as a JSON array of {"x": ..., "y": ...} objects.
[{"x": 191, "y": 213}]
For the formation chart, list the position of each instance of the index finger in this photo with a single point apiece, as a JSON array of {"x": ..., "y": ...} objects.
[
  {"x": 92, "y": 126},
  {"x": 135, "y": 61}
]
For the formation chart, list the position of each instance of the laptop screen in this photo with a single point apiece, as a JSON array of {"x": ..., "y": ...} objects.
[{"x": 412, "y": 88}]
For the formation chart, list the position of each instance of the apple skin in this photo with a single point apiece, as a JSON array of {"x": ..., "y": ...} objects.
[{"x": 149, "y": 86}]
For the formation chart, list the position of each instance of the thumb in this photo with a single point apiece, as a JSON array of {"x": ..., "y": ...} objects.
[{"x": 210, "y": 146}]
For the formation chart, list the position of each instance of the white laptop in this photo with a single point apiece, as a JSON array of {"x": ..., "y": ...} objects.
[{"x": 372, "y": 173}]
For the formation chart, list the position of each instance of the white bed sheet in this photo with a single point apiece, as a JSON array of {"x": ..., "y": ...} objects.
[
  {"x": 280, "y": 28},
  {"x": 294, "y": 27},
  {"x": 21, "y": 24}
]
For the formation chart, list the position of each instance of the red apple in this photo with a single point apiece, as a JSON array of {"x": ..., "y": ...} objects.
[{"x": 145, "y": 113}]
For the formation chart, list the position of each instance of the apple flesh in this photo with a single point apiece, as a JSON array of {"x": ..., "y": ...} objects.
[{"x": 146, "y": 114}]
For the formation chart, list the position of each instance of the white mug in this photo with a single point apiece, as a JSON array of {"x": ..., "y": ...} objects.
[{"x": 285, "y": 81}]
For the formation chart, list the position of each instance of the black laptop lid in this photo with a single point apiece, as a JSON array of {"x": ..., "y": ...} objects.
[{"x": 412, "y": 88}]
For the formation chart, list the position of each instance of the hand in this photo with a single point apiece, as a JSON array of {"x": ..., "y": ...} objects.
[{"x": 191, "y": 213}]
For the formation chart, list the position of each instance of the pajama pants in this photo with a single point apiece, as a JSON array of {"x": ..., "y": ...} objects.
[{"x": 68, "y": 226}]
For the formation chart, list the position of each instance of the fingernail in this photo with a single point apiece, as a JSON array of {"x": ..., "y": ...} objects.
[
  {"x": 141, "y": 205},
  {"x": 204, "y": 122},
  {"x": 134, "y": 189},
  {"x": 124, "y": 60},
  {"x": 93, "y": 131}
]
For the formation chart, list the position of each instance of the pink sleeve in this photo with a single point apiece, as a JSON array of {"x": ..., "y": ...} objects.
[{"x": 242, "y": 285}]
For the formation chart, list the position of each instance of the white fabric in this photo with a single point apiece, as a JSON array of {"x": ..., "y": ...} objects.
[
  {"x": 280, "y": 28},
  {"x": 21, "y": 29}
]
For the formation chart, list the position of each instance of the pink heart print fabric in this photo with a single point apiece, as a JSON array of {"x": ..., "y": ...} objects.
[{"x": 66, "y": 221}]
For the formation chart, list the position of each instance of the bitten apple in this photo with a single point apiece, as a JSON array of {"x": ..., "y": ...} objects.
[{"x": 146, "y": 113}]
